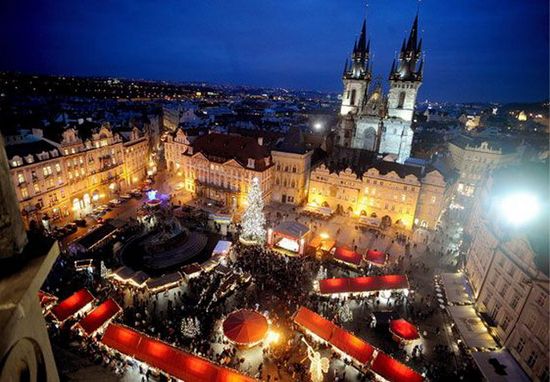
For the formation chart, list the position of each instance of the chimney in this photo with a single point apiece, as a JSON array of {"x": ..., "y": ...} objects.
[{"x": 261, "y": 141}]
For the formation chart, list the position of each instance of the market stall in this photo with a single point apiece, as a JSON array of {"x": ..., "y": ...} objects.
[
  {"x": 363, "y": 285},
  {"x": 347, "y": 257},
  {"x": 245, "y": 327},
  {"x": 164, "y": 282},
  {"x": 290, "y": 237},
  {"x": 403, "y": 330},
  {"x": 78, "y": 302},
  {"x": 377, "y": 258},
  {"x": 166, "y": 358},
  {"x": 99, "y": 317}
]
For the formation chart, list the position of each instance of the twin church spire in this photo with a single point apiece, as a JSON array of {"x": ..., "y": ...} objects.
[{"x": 408, "y": 66}]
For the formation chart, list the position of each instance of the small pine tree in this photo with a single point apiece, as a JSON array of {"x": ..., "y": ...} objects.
[{"x": 253, "y": 220}]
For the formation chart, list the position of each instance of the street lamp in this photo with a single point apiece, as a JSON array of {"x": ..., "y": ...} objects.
[{"x": 317, "y": 126}]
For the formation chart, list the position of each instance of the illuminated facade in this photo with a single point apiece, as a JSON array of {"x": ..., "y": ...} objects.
[
  {"x": 474, "y": 158},
  {"x": 219, "y": 167},
  {"x": 508, "y": 270},
  {"x": 403, "y": 194},
  {"x": 72, "y": 175},
  {"x": 368, "y": 119},
  {"x": 291, "y": 176}
]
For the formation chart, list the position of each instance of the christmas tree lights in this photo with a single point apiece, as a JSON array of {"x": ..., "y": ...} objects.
[{"x": 253, "y": 219}]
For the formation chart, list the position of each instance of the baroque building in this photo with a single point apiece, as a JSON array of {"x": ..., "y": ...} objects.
[
  {"x": 220, "y": 167},
  {"x": 53, "y": 178},
  {"x": 370, "y": 120}
]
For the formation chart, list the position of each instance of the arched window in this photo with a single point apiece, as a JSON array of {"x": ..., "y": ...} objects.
[
  {"x": 401, "y": 100},
  {"x": 352, "y": 98}
]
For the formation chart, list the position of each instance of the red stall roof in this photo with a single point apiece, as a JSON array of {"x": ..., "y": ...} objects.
[
  {"x": 46, "y": 298},
  {"x": 376, "y": 257},
  {"x": 393, "y": 370},
  {"x": 313, "y": 322},
  {"x": 363, "y": 284},
  {"x": 404, "y": 329},
  {"x": 245, "y": 326},
  {"x": 99, "y": 316},
  {"x": 72, "y": 304},
  {"x": 336, "y": 336},
  {"x": 347, "y": 256},
  {"x": 169, "y": 359}
]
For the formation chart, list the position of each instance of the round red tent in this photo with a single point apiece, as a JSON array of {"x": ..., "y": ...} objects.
[
  {"x": 245, "y": 327},
  {"x": 404, "y": 330}
]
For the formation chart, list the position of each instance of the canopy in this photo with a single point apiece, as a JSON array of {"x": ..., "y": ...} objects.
[
  {"x": 376, "y": 257},
  {"x": 334, "y": 335},
  {"x": 404, "y": 330},
  {"x": 471, "y": 328},
  {"x": 493, "y": 363},
  {"x": 46, "y": 299},
  {"x": 222, "y": 248},
  {"x": 72, "y": 305},
  {"x": 347, "y": 256},
  {"x": 99, "y": 316},
  {"x": 393, "y": 370},
  {"x": 164, "y": 282},
  {"x": 179, "y": 364},
  {"x": 291, "y": 229},
  {"x": 355, "y": 347},
  {"x": 245, "y": 326},
  {"x": 323, "y": 244},
  {"x": 456, "y": 288},
  {"x": 363, "y": 284}
]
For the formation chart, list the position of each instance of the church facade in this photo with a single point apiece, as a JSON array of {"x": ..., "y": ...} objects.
[{"x": 374, "y": 121}]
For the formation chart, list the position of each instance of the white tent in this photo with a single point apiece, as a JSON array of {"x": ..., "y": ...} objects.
[
  {"x": 472, "y": 330},
  {"x": 499, "y": 366},
  {"x": 455, "y": 285}
]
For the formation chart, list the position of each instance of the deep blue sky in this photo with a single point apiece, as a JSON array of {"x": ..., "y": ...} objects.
[{"x": 476, "y": 50}]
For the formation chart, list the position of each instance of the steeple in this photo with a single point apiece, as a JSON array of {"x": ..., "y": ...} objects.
[
  {"x": 359, "y": 65},
  {"x": 409, "y": 56},
  {"x": 345, "y": 68}
]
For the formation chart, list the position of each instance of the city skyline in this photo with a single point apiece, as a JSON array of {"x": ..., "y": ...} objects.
[{"x": 271, "y": 45}]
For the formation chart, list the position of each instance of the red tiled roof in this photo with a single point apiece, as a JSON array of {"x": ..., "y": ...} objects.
[
  {"x": 223, "y": 147},
  {"x": 72, "y": 304},
  {"x": 176, "y": 362}
]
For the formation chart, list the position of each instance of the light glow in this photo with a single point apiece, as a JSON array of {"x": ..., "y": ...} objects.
[{"x": 519, "y": 208}]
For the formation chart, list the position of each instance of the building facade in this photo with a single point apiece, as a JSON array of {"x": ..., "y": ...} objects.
[
  {"x": 474, "y": 158},
  {"x": 291, "y": 176},
  {"x": 57, "y": 178},
  {"x": 370, "y": 120},
  {"x": 507, "y": 267},
  {"x": 220, "y": 167},
  {"x": 401, "y": 195}
]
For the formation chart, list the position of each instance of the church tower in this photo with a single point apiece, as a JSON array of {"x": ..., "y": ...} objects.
[
  {"x": 406, "y": 77},
  {"x": 405, "y": 80},
  {"x": 356, "y": 76}
]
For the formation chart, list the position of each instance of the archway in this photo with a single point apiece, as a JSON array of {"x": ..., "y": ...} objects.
[{"x": 386, "y": 222}]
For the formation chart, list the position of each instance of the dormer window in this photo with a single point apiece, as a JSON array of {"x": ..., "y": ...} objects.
[
  {"x": 250, "y": 163},
  {"x": 29, "y": 158}
]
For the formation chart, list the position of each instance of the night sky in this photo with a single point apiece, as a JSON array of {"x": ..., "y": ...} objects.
[{"x": 489, "y": 50}]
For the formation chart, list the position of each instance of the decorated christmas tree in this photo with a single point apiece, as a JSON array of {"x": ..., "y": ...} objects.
[
  {"x": 190, "y": 327},
  {"x": 253, "y": 220}
]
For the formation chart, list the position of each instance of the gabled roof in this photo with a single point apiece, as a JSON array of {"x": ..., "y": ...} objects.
[{"x": 222, "y": 147}]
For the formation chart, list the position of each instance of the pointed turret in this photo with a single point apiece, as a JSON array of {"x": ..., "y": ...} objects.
[
  {"x": 411, "y": 43},
  {"x": 405, "y": 68},
  {"x": 345, "y": 68},
  {"x": 361, "y": 45}
]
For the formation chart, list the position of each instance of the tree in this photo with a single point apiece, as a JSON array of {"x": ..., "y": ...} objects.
[{"x": 253, "y": 220}]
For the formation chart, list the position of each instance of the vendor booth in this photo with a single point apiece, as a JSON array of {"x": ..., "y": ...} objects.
[
  {"x": 347, "y": 257},
  {"x": 245, "y": 327},
  {"x": 290, "y": 237},
  {"x": 363, "y": 285},
  {"x": 78, "y": 302},
  {"x": 377, "y": 258},
  {"x": 361, "y": 353},
  {"x": 99, "y": 317},
  {"x": 403, "y": 331},
  {"x": 322, "y": 243}
]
